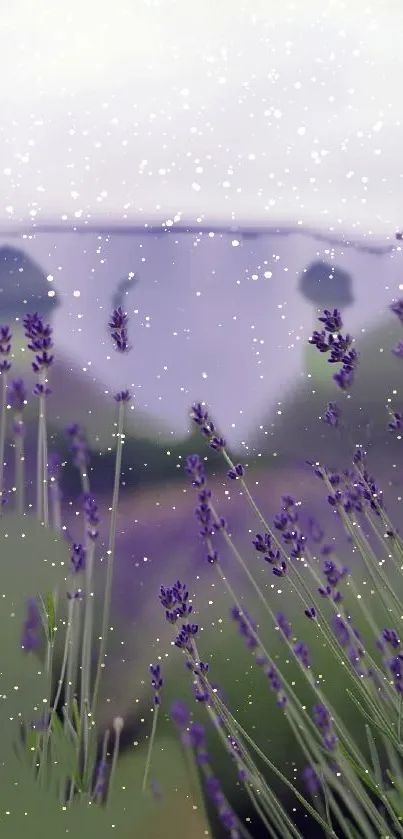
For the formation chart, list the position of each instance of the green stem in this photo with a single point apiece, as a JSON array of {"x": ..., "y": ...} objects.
[
  {"x": 3, "y": 407},
  {"x": 110, "y": 555},
  {"x": 150, "y": 747},
  {"x": 19, "y": 467},
  {"x": 117, "y": 725},
  {"x": 86, "y": 650}
]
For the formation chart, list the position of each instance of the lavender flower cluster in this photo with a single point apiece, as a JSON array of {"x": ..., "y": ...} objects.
[
  {"x": 330, "y": 340},
  {"x": 348, "y": 792}
]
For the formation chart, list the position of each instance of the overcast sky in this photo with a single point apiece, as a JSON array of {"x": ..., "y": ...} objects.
[{"x": 176, "y": 109}]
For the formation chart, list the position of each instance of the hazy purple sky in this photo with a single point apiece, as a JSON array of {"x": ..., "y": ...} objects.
[
  {"x": 213, "y": 317},
  {"x": 280, "y": 111},
  {"x": 267, "y": 112}
]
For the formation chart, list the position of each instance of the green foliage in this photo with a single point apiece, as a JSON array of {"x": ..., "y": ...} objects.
[{"x": 34, "y": 562}]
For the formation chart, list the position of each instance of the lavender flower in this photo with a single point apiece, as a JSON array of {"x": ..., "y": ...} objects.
[
  {"x": 30, "y": 639},
  {"x": 332, "y": 415},
  {"x": 17, "y": 395},
  {"x": 156, "y": 682},
  {"x": 118, "y": 330},
  {"x": 332, "y": 321},
  {"x": 40, "y": 342},
  {"x": 302, "y": 653},
  {"x": 123, "y": 396},
  {"x": 5, "y": 348},
  {"x": 78, "y": 446},
  {"x": 236, "y": 473},
  {"x": 396, "y": 423},
  {"x": 195, "y": 468},
  {"x": 398, "y": 350},
  {"x": 311, "y": 780},
  {"x": 329, "y": 340},
  {"x": 77, "y": 557},
  {"x": 90, "y": 508},
  {"x": 180, "y": 714},
  {"x": 101, "y": 780},
  {"x": 246, "y": 627},
  {"x": 200, "y": 416},
  {"x": 397, "y": 308},
  {"x": 196, "y": 740},
  {"x": 284, "y": 625}
]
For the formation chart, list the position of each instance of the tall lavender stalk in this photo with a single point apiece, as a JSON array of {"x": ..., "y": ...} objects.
[
  {"x": 119, "y": 335},
  {"x": 5, "y": 366},
  {"x": 41, "y": 343},
  {"x": 17, "y": 396}
]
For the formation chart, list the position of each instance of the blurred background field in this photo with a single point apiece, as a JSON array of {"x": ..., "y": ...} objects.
[
  {"x": 157, "y": 540},
  {"x": 223, "y": 173}
]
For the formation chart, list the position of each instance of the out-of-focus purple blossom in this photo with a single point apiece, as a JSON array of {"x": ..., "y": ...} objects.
[
  {"x": 396, "y": 423},
  {"x": 311, "y": 780},
  {"x": 389, "y": 637},
  {"x": 315, "y": 531},
  {"x": 301, "y": 652},
  {"x": 322, "y": 720},
  {"x": 77, "y": 557},
  {"x": 30, "y": 639},
  {"x": 78, "y": 446},
  {"x": 180, "y": 714},
  {"x": 118, "y": 330},
  {"x": 395, "y": 665},
  {"x": 284, "y": 625},
  {"x": 398, "y": 350},
  {"x": 75, "y": 595},
  {"x": 247, "y": 627},
  {"x": 197, "y": 736},
  {"x": 5, "y": 348},
  {"x": 332, "y": 415},
  {"x": 17, "y": 395},
  {"x": 101, "y": 780},
  {"x": 276, "y": 686},
  {"x": 227, "y": 816},
  {"x": 397, "y": 308},
  {"x": 321, "y": 717},
  {"x": 90, "y": 508},
  {"x": 156, "y": 790},
  {"x": 341, "y": 631},
  {"x": 54, "y": 465}
]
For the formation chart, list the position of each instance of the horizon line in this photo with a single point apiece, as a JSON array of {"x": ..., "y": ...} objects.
[{"x": 160, "y": 229}]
